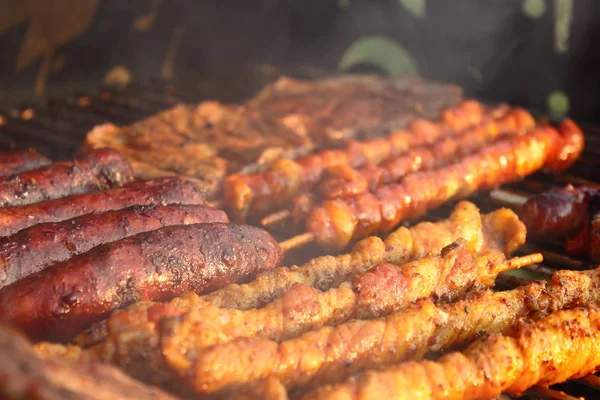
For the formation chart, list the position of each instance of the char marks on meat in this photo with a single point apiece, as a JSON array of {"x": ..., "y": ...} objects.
[
  {"x": 65, "y": 298},
  {"x": 22, "y": 160},
  {"x": 161, "y": 191},
  {"x": 91, "y": 172},
  {"x": 39, "y": 246}
]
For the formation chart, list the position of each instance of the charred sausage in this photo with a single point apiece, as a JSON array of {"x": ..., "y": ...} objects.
[
  {"x": 18, "y": 161},
  {"x": 158, "y": 191},
  {"x": 33, "y": 249},
  {"x": 61, "y": 300},
  {"x": 91, "y": 172}
]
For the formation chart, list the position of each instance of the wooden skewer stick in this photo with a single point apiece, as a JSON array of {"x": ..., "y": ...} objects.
[
  {"x": 274, "y": 218},
  {"x": 518, "y": 262},
  {"x": 297, "y": 241},
  {"x": 507, "y": 199}
]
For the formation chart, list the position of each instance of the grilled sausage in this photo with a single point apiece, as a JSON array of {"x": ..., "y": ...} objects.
[
  {"x": 158, "y": 191},
  {"x": 65, "y": 298},
  {"x": 557, "y": 212},
  {"x": 18, "y": 161},
  {"x": 33, "y": 249},
  {"x": 98, "y": 170}
]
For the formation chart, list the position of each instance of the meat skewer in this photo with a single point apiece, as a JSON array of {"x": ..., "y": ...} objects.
[
  {"x": 24, "y": 375},
  {"x": 91, "y": 172},
  {"x": 160, "y": 191},
  {"x": 344, "y": 181},
  {"x": 19, "y": 161},
  {"x": 39, "y": 246},
  {"x": 500, "y": 230},
  {"x": 564, "y": 345},
  {"x": 299, "y": 311},
  {"x": 258, "y": 194},
  {"x": 335, "y": 224},
  {"x": 65, "y": 298},
  {"x": 331, "y": 354}
]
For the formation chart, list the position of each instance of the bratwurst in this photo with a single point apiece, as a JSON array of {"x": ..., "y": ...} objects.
[
  {"x": 39, "y": 246},
  {"x": 21, "y": 160},
  {"x": 157, "y": 191},
  {"x": 91, "y": 172},
  {"x": 61, "y": 300}
]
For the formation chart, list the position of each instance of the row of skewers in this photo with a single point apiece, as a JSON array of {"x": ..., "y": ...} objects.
[{"x": 341, "y": 196}]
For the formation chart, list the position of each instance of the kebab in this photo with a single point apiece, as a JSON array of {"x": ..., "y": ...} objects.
[
  {"x": 335, "y": 224},
  {"x": 345, "y": 181},
  {"x": 499, "y": 230},
  {"x": 65, "y": 298},
  {"x": 161, "y": 191},
  {"x": 330, "y": 354},
  {"x": 39, "y": 246},
  {"x": 564, "y": 345},
  {"x": 22, "y": 160},
  {"x": 182, "y": 332},
  {"x": 91, "y": 172},
  {"x": 257, "y": 194}
]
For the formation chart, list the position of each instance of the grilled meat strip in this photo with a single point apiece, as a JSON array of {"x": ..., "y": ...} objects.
[
  {"x": 331, "y": 354},
  {"x": 501, "y": 230},
  {"x": 257, "y": 194},
  {"x": 183, "y": 335},
  {"x": 564, "y": 345},
  {"x": 558, "y": 212},
  {"x": 338, "y": 223},
  {"x": 23, "y": 375},
  {"x": 19, "y": 161},
  {"x": 39, "y": 246},
  {"x": 161, "y": 191},
  {"x": 90, "y": 172},
  {"x": 344, "y": 181},
  {"x": 61, "y": 300}
]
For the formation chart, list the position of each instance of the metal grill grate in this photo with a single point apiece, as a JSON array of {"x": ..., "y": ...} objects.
[{"x": 58, "y": 126}]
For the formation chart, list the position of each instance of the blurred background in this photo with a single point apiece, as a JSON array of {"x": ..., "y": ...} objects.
[{"x": 541, "y": 54}]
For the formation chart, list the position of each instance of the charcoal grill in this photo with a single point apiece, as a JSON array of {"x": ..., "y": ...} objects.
[{"x": 58, "y": 126}]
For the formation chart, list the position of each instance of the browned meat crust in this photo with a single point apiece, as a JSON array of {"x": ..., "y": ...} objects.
[
  {"x": 39, "y": 246},
  {"x": 558, "y": 212},
  {"x": 564, "y": 345},
  {"x": 19, "y": 161},
  {"x": 338, "y": 223},
  {"x": 161, "y": 191},
  {"x": 25, "y": 376},
  {"x": 91, "y": 172},
  {"x": 61, "y": 300}
]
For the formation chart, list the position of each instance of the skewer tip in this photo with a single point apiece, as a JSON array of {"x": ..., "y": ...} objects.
[
  {"x": 518, "y": 262},
  {"x": 274, "y": 218},
  {"x": 297, "y": 241}
]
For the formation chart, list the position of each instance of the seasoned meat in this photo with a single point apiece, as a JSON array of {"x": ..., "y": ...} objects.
[
  {"x": 61, "y": 300},
  {"x": 39, "y": 246},
  {"x": 160, "y": 191},
  {"x": 23, "y": 375},
  {"x": 90, "y": 172},
  {"x": 562, "y": 346},
  {"x": 19, "y": 161},
  {"x": 558, "y": 212}
]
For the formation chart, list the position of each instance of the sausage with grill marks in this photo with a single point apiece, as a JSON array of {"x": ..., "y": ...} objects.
[
  {"x": 24, "y": 160},
  {"x": 91, "y": 172},
  {"x": 67, "y": 297},
  {"x": 39, "y": 246},
  {"x": 157, "y": 191}
]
